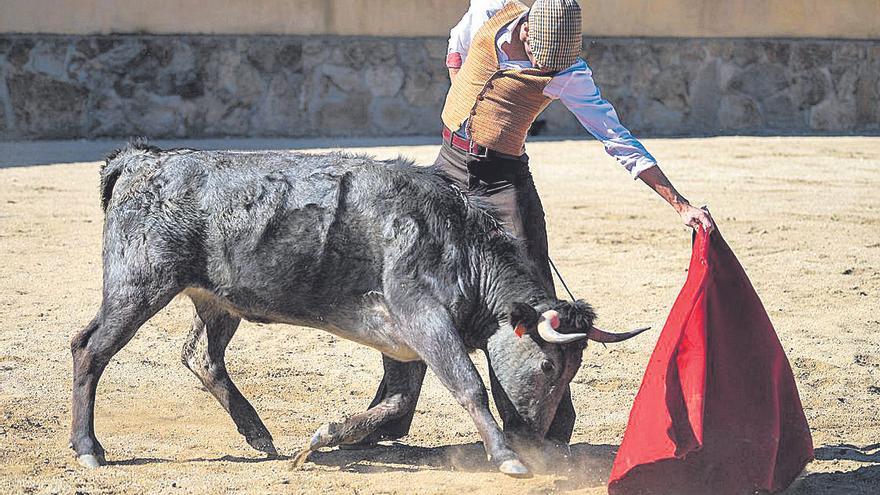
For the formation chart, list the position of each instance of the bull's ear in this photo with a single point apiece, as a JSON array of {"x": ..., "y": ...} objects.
[{"x": 523, "y": 318}]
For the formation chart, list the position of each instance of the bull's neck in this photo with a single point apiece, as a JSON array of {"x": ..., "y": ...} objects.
[{"x": 505, "y": 277}]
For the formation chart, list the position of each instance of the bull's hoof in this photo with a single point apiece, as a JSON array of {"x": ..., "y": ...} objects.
[
  {"x": 264, "y": 445},
  {"x": 323, "y": 436},
  {"x": 514, "y": 468},
  {"x": 90, "y": 461}
]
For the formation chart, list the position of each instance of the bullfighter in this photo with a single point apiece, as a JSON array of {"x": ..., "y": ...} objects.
[{"x": 507, "y": 63}]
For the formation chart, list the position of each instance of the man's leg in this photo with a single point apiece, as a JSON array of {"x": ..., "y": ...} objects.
[{"x": 535, "y": 236}]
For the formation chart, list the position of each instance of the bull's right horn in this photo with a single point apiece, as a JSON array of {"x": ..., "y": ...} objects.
[
  {"x": 610, "y": 338},
  {"x": 547, "y": 330}
]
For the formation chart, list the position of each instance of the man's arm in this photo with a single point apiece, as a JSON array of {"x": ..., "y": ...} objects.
[
  {"x": 576, "y": 89},
  {"x": 690, "y": 215},
  {"x": 462, "y": 34}
]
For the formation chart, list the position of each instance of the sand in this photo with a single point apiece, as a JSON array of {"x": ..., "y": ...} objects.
[{"x": 802, "y": 214}]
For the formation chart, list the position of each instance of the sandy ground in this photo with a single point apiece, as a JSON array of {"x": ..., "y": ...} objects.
[{"x": 802, "y": 214}]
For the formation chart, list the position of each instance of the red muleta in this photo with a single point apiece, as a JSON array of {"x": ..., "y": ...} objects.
[{"x": 718, "y": 409}]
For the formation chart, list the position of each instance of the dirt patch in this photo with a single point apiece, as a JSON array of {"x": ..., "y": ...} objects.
[{"x": 801, "y": 214}]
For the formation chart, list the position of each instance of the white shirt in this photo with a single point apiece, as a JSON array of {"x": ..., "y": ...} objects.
[{"x": 574, "y": 87}]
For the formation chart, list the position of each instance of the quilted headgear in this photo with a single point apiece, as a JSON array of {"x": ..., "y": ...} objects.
[{"x": 555, "y": 33}]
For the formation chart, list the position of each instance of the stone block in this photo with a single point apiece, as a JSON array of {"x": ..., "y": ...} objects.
[
  {"x": 777, "y": 51},
  {"x": 390, "y": 114},
  {"x": 282, "y": 111},
  {"x": 423, "y": 88},
  {"x": 670, "y": 88},
  {"x": 233, "y": 80},
  {"x": 50, "y": 57},
  {"x": 811, "y": 55},
  {"x": 705, "y": 97},
  {"x": 4, "y": 130},
  {"x": 844, "y": 57},
  {"x": 108, "y": 118},
  {"x": 740, "y": 52},
  {"x": 345, "y": 78},
  {"x": 341, "y": 113},
  {"x": 47, "y": 107},
  {"x": 383, "y": 80},
  {"x": 661, "y": 119},
  {"x": 833, "y": 115},
  {"x": 436, "y": 49},
  {"x": 781, "y": 113},
  {"x": 761, "y": 81},
  {"x": 118, "y": 55},
  {"x": 19, "y": 52},
  {"x": 156, "y": 116},
  {"x": 810, "y": 87},
  {"x": 290, "y": 56},
  {"x": 411, "y": 53},
  {"x": 867, "y": 98},
  {"x": 360, "y": 52},
  {"x": 738, "y": 112},
  {"x": 314, "y": 52},
  {"x": 845, "y": 82}
]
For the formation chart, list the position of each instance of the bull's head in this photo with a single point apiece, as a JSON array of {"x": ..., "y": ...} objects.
[{"x": 533, "y": 359}]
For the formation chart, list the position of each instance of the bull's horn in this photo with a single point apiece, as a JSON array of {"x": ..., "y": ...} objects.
[
  {"x": 547, "y": 330},
  {"x": 610, "y": 338}
]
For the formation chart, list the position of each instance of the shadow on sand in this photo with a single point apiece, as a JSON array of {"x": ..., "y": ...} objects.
[
  {"x": 863, "y": 480},
  {"x": 143, "y": 461},
  {"x": 586, "y": 466}
]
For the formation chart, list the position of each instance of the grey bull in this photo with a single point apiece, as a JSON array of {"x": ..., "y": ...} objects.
[{"x": 382, "y": 253}]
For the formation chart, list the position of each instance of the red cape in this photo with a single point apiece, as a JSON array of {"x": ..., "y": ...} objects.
[{"x": 718, "y": 410}]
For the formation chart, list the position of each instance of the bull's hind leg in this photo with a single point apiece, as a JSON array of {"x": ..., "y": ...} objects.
[
  {"x": 204, "y": 353},
  {"x": 128, "y": 303},
  {"x": 402, "y": 382}
]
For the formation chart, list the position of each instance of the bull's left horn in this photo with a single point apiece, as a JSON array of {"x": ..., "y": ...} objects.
[
  {"x": 547, "y": 330},
  {"x": 610, "y": 338}
]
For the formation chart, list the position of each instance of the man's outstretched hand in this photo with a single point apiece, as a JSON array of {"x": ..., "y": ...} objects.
[{"x": 696, "y": 217}]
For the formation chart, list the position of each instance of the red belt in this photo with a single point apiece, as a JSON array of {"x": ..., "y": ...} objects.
[
  {"x": 459, "y": 142},
  {"x": 464, "y": 144}
]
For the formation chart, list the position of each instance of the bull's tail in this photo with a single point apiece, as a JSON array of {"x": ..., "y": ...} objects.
[{"x": 115, "y": 164}]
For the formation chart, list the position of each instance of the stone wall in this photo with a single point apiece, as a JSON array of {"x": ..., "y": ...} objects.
[{"x": 200, "y": 86}]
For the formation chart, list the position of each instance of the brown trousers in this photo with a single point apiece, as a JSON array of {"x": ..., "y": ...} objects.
[{"x": 507, "y": 185}]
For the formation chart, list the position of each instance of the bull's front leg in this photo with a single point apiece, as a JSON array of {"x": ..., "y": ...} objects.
[{"x": 436, "y": 340}]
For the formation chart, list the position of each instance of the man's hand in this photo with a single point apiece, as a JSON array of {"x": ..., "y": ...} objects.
[{"x": 696, "y": 217}]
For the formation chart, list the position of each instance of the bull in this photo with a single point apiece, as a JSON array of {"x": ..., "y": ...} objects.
[{"x": 383, "y": 253}]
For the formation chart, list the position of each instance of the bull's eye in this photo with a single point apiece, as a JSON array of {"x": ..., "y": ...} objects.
[{"x": 547, "y": 367}]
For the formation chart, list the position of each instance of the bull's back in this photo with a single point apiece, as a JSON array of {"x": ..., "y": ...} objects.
[{"x": 283, "y": 233}]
